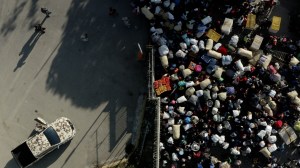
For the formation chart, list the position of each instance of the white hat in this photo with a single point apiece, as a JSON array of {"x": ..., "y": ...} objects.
[
  {"x": 195, "y": 119},
  {"x": 214, "y": 110},
  {"x": 170, "y": 130},
  {"x": 217, "y": 46},
  {"x": 152, "y": 29},
  {"x": 181, "y": 109},
  {"x": 222, "y": 139},
  {"x": 252, "y": 125},
  {"x": 272, "y": 93},
  {"x": 187, "y": 126},
  {"x": 195, "y": 146},
  {"x": 167, "y": 3},
  {"x": 248, "y": 150},
  {"x": 203, "y": 134},
  {"x": 214, "y": 95},
  {"x": 236, "y": 113},
  {"x": 199, "y": 93},
  {"x": 174, "y": 157},
  {"x": 183, "y": 45},
  {"x": 272, "y": 139},
  {"x": 249, "y": 116},
  {"x": 217, "y": 118},
  {"x": 171, "y": 121},
  {"x": 234, "y": 151},
  {"x": 226, "y": 59},
  {"x": 215, "y": 138},
  {"x": 157, "y": 9},
  {"x": 172, "y": 6},
  {"x": 193, "y": 41},
  {"x": 170, "y": 16},
  {"x": 170, "y": 140},
  {"x": 166, "y": 115},
  {"x": 225, "y": 145},
  {"x": 195, "y": 48},
  {"x": 217, "y": 104},
  {"x": 239, "y": 65},
  {"x": 262, "y": 134},
  {"x": 220, "y": 127},
  {"x": 268, "y": 129},
  {"x": 189, "y": 113},
  {"x": 277, "y": 66},
  {"x": 264, "y": 123},
  {"x": 262, "y": 143}
]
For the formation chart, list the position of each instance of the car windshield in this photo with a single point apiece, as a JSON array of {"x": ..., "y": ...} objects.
[{"x": 52, "y": 136}]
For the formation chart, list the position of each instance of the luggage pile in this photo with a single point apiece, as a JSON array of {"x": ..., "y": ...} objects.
[{"x": 220, "y": 87}]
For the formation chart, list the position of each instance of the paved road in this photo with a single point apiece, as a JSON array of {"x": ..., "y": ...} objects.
[
  {"x": 95, "y": 84},
  {"x": 283, "y": 10}
]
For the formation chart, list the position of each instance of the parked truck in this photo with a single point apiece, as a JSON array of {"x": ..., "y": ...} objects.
[{"x": 48, "y": 138}]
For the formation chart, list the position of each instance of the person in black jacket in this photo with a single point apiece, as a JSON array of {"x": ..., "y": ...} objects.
[
  {"x": 39, "y": 28},
  {"x": 46, "y": 11}
]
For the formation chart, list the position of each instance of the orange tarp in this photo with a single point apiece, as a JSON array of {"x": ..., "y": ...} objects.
[{"x": 162, "y": 85}]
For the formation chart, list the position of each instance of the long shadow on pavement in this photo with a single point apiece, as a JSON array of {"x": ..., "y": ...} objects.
[
  {"x": 104, "y": 69},
  {"x": 10, "y": 24},
  {"x": 27, "y": 48}
]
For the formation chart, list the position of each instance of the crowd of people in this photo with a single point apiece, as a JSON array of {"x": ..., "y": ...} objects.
[{"x": 229, "y": 93}]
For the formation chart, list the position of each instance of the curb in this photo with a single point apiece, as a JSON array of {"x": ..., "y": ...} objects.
[
  {"x": 139, "y": 113},
  {"x": 115, "y": 163}
]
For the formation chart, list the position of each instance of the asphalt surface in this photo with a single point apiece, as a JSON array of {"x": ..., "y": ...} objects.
[
  {"x": 283, "y": 9},
  {"x": 96, "y": 83}
]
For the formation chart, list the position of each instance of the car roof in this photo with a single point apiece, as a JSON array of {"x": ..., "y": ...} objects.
[
  {"x": 38, "y": 144},
  {"x": 63, "y": 128}
]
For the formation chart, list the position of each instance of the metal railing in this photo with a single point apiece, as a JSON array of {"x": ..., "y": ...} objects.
[
  {"x": 152, "y": 97},
  {"x": 151, "y": 72},
  {"x": 156, "y": 151}
]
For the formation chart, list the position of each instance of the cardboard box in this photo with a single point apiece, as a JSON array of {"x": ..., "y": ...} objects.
[{"x": 287, "y": 134}]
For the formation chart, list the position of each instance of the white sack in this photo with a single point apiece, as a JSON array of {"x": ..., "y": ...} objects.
[
  {"x": 183, "y": 46},
  {"x": 201, "y": 45},
  {"x": 199, "y": 93},
  {"x": 245, "y": 53},
  {"x": 209, "y": 44},
  {"x": 206, "y": 20},
  {"x": 194, "y": 49},
  {"x": 234, "y": 40},
  {"x": 205, "y": 83},
  {"x": 227, "y": 26},
  {"x": 214, "y": 54},
  {"x": 190, "y": 91},
  {"x": 222, "y": 96},
  {"x": 217, "y": 46},
  {"x": 180, "y": 54},
  {"x": 181, "y": 99},
  {"x": 148, "y": 14},
  {"x": 186, "y": 72},
  {"x": 176, "y": 131},
  {"x": 163, "y": 50},
  {"x": 164, "y": 61}
]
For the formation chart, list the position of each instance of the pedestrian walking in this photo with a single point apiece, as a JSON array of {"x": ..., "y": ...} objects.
[
  {"x": 112, "y": 12},
  {"x": 39, "y": 28},
  {"x": 84, "y": 37},
  {"x": 126, "y": 21},
  {"x": 46, "y": 12}
]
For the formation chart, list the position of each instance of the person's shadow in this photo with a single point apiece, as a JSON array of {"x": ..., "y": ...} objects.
[{"x": 27, "y": 48}]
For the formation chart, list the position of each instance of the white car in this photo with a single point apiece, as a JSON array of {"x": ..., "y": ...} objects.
[{"x": 49, "y": 137}]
